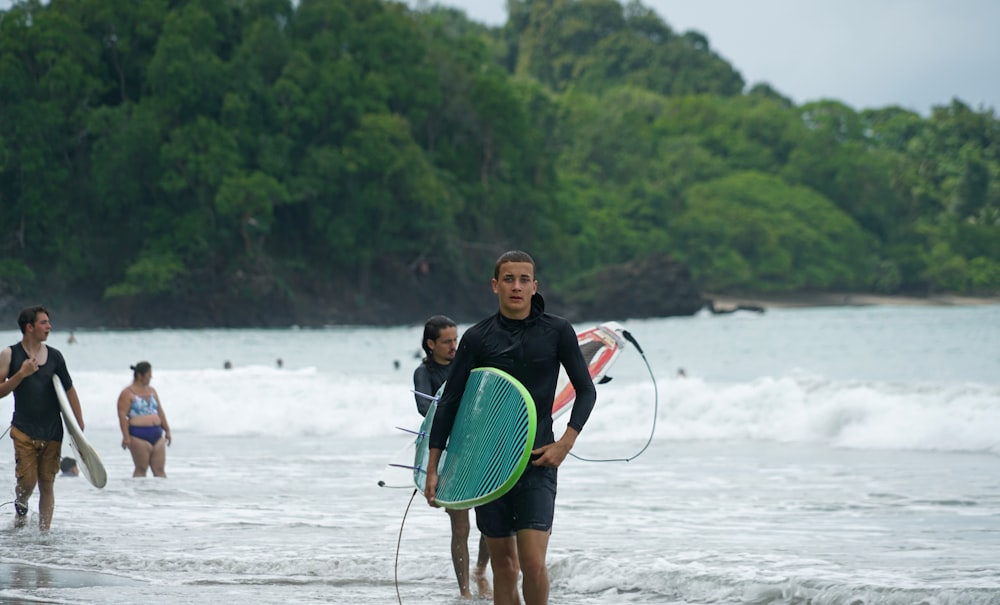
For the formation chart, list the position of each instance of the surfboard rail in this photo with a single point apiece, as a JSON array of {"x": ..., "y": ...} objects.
[{"x": 90, "y": 463}]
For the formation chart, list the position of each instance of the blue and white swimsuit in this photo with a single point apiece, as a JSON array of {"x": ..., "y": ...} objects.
[{"x": 145, "y": 407}]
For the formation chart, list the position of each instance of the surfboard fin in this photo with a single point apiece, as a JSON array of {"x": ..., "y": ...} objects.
[
  {"x": 408, "y": 467},
  {"x": 604, "y": 380},
  {"x": 424, "y": 395},
  {"x": 412, "y": 432}
]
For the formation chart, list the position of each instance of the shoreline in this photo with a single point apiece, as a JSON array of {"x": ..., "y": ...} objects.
[
  {"x": 30, "y": 577},
  {"x": 845, "y": 299}
]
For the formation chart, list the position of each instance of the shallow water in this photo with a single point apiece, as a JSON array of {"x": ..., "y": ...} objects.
[{"x": 818, "y": 456}]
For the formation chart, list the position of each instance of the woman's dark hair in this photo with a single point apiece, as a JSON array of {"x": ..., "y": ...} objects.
[
  {"x": 141, "y": 369},
  {"x": 432, "y": 330}
]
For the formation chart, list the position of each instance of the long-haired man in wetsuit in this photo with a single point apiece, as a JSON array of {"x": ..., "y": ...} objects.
[
  {"x": 440, "y": 343},
  {"x": 530, "y": 344}
]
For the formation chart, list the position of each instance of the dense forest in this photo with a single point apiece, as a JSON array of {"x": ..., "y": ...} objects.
[{"x": 170, "y": 158}]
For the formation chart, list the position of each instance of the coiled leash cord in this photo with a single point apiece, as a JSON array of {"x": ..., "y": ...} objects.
[{"x": 656, "y": 405}]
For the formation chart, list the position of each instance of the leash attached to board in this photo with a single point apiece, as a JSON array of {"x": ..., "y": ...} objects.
[{"x": 656, "y": 405}]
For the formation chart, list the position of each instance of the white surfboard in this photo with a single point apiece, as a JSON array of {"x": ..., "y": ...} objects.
[
  {"x": 90, "y": 463},
  {"x": 398, "y": 473},
  {"x": 601, "y": 346}
]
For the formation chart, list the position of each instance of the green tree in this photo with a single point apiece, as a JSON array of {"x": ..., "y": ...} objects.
[
  {"x": 185, "y": 74},
  {"x": 247, "y": 202},
  {"x": 749, "y": 230}
]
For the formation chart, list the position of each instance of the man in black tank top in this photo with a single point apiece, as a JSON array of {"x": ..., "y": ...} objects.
[{"x": 26, "y": 369}]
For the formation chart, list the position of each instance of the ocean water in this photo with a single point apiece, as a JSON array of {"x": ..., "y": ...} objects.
[{"x": 811, "y": 456}]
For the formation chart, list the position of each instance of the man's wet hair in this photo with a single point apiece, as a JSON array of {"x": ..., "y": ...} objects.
[
  {"x": 29, "y": 315},
  {"x": 512, "y": 256},
  {"x": 432, "y": 330}
]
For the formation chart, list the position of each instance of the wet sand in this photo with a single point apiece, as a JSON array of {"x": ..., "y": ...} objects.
[
  {"x": 21, "y": 576},
  {"x": 843, "y": 299}
]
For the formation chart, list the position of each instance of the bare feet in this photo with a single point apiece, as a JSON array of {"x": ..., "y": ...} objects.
[{"x": 482, "y": 583}]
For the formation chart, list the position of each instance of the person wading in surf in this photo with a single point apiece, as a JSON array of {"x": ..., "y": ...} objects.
[
  {"x": 26, "y": 369},
  {"x": 439, "y": 343},
  {"x": 143, "y": 423},
  {"x": 530, "y": 344}
]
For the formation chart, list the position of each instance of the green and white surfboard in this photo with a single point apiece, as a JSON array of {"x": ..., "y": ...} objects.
[{"x": 490, "y": 443}]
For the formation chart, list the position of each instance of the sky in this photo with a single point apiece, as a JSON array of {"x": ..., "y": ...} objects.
[{"x": 865, "y": 53}]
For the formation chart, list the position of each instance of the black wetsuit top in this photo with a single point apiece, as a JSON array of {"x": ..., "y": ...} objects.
[
  {"x": 530, "y": 350},
  {"x": 427, "y": 379},
  {"x": 36, "y": 407}
]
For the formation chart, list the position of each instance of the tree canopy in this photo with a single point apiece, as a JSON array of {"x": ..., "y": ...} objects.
[{"x": 170, "y": 149}]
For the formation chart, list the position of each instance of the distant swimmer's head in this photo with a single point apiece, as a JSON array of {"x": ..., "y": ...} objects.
[
  {"x": 440, "y": 339},
  {"x": 68, "y": 466}
]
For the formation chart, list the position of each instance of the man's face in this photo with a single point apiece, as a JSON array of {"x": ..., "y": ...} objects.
[
  {"x": 41, "y": 328},
  {"x": 443, "y": 349},
  {"x": 514, "y": 288}
]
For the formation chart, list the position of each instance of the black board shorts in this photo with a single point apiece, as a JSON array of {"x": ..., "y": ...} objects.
[{"x": 530, "y": 504}]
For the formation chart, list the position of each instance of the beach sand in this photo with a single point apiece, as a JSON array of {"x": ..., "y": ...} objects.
[{"x": 842, "y": 299}]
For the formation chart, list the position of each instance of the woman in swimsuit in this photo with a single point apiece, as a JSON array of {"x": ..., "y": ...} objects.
[{"x": 145, "y": 431}]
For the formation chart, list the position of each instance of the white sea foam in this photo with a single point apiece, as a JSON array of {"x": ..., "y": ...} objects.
[{"x": 807, "y": 409}]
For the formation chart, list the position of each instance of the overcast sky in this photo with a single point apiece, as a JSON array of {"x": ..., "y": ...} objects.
[{"x": 865, "y": 53}]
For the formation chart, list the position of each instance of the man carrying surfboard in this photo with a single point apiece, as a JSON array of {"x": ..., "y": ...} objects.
[
  {"x": 530, "y": 345},
  {"x": 440, "y": 341},
  {"x": 26, "y": 369}
]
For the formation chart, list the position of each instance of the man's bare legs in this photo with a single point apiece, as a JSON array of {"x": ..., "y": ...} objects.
[
  {"x": 46, "y": 503},
  {"x": 503, "y": 558},
  {"x": 21, "y": 497},
  {"x": 482, "y": 582},
  {"x": 532, "y": 545},
  {"x": 460, "y": 548},
  {"x": 460, "y": 556},
  {"x": 523, "y": 554}
]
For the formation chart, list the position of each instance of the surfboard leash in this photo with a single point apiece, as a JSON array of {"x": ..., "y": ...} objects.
[
  {"x": 399, "y": 542},
  {"x": 656, "y": 408}
]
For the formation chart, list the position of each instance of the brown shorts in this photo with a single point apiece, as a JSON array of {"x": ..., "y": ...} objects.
[{"x": 34, "y": 460}]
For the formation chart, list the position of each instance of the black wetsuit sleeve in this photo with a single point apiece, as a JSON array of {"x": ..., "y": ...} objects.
[
  {"x": 579, "y": 374},
  {"x": 447, "y": 407},
  {"x": 422, "y": 384}
]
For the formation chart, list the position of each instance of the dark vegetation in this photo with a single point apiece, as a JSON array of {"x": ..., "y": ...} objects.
[{"x": 232, "y": 163}]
